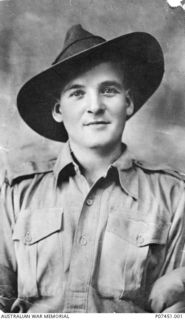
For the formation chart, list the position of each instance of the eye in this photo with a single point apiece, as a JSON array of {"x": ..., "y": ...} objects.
[
  {"x": 109, "y": 91},
  {"x": 77, "y": 93}
]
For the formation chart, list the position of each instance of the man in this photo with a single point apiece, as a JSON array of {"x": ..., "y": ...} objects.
[{"x": 96, "y": 233}]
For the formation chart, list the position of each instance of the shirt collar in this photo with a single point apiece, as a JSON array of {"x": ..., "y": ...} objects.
[
  {"x": 64, "y": 161},
  {"x": 124, "y": 166},
  {"x": 127, "y": 173}
]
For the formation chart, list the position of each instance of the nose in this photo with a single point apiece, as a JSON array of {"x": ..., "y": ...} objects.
[{"x": 95, "y": 103}]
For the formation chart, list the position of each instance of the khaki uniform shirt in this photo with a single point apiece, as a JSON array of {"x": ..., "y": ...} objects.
[{"x": 68, "y": 247}]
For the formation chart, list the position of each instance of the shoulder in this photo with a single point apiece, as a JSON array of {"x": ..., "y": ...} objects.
[
  {"x": 163, "y": 171},
  {"x": 163, "y": 184},
  {"x": 27, "y": 171},
  {"x": 24, "y": 186}
]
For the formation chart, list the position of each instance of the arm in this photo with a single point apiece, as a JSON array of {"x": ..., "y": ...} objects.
[
  {"x": 168, "y": 292},
  {"x": 8, "y": 277}
]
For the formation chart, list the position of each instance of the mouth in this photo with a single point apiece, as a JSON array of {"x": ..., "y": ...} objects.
[{"x": 96, "y": 123}]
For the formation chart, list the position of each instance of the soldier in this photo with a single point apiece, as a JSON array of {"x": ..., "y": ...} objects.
[{"x": 95, "y": 233}]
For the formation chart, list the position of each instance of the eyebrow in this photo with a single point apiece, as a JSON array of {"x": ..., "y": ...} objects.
[
  {"x": 73, "y": 86},
  {"x": 112, "y": 83}
]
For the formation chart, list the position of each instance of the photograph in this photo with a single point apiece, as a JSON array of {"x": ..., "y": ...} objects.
[{"x": 92, "y": 158}]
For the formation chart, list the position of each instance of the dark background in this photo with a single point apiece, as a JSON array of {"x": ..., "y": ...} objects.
[{"x": 31, "y": 36}]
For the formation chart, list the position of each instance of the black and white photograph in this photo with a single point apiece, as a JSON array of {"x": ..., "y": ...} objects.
[{"x": 92, "y": 157}]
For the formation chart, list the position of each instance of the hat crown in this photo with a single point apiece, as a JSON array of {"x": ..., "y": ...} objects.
[
  {"x": 76, "y": 33},
  {"x": 77, "y": 40}
]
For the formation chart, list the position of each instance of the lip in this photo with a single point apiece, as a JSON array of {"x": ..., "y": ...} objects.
[{"x": 96, "y": 123}]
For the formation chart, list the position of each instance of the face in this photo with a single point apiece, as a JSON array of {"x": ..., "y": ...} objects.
[{"x": 94, "y": 107}]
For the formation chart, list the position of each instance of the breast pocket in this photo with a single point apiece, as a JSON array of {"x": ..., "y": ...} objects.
[
  {"x": 37, "y": 240},
  {"x": 125, "y": 253}
]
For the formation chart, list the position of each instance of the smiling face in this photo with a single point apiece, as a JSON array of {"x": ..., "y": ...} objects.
[{"x": 94, "y": 107}]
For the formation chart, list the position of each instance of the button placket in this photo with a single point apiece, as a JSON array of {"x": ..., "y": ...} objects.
[{"x": 82, "y": 258}]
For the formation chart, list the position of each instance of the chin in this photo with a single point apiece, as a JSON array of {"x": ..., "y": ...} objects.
[
  {"x": 98, "y": 139},
  {"x": 99, "y": 144}
]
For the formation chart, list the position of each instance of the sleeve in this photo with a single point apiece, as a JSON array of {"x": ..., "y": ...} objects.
[
  {"x": 168, "y": 292},
  {"x": 8, "y": 275}
]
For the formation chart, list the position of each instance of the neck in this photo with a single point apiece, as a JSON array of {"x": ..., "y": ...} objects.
[{"x": 94, "y": 162}]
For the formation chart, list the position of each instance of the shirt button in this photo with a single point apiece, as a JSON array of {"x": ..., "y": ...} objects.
[
  {"x": 27, "y": 238},
  {"x": 139, "y": 239},
  {"x": 83, "y": 240},
  {"x": 89, "y": 202}
]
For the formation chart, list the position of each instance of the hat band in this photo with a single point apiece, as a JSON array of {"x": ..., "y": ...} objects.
[{"x": 78, "y": 46}]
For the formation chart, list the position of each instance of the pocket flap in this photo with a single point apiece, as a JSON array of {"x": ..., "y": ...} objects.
[
  {"x": 138, "y": 232},
  {"x": 34, "y": 225}
]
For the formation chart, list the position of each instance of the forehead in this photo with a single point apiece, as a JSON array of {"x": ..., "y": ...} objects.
[{"x": 104, "y": 71}]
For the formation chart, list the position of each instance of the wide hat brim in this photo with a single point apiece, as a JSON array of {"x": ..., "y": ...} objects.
[{"x": 37, "y": 97}]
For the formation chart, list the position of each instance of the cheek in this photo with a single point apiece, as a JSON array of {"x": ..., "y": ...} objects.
[
  {"x": 71, "y": 118},
  {"x": 67, "y": 110},
  {"x": 118, "y": 109}
]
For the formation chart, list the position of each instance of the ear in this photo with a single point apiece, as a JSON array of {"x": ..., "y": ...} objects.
[
  {"x": 129, "y": 104},
  {"x": 57, "y": 112}
]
